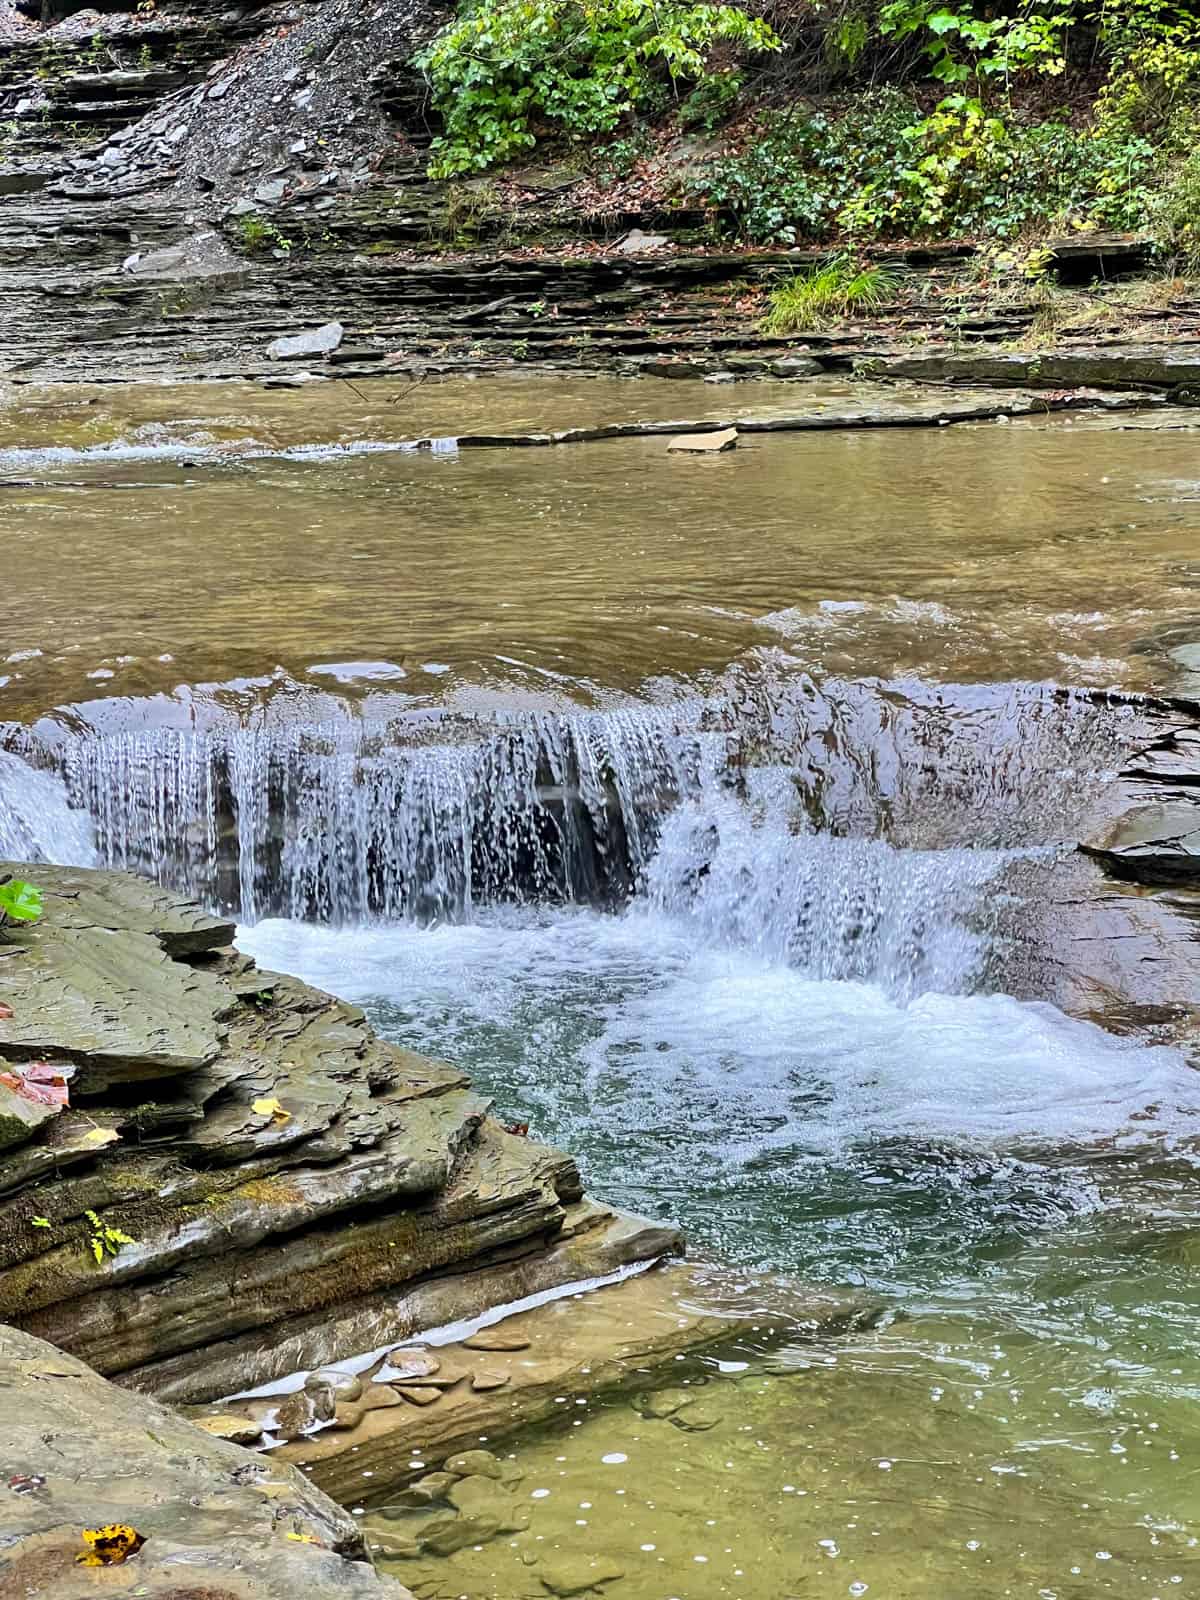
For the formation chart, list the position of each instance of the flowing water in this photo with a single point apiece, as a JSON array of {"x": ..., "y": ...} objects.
[{"x": 693, "y": 807}]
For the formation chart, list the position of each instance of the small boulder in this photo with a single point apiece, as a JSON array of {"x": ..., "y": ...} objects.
[
  {"x": 318, "y": 342},
  {"x": 706, "y": 443},
  {"x": 496, "y": 1339},
  {"x": 672, "y": 369},
  {"x": 234, "y": 1430},
  {"x": 408, "y": 1366},
  {"x": 796, "y": 367},
  {"x": 480, "y": 1497},
  {"x": 418, "y": 1395},
  {"x": 298, "y": 1413},
  {"x": 636, "y": 243},
  {"x": 433, "y": 1486},
  {"x": 445, "y": 1534},
  {"x": 344, "y": 1385}
]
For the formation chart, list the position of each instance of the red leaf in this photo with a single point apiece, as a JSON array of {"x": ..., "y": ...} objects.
[
  {"x": 5, "y": 1012},
  {"x": 42, "y": 1082}
]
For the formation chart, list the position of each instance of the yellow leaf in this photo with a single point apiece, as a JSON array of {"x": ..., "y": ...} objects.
[
  {"x": 99, "y": 1136},
  {"x": 270, "y": 1108},
  {"x": 109, "y": 1546},
  {"x": 304, "y": 1538}
]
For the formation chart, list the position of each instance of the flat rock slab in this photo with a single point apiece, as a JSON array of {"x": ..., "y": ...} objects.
[
  {"x": 114, "y": 1002},
  {"x": 1155, "y": 843},
  {"x": 85, "y": 897},
  {"x": 706, "y": 443},
  {"x": 217, "y": 1521},
  {"x": 319, "y": 342},
  {"x": 576, "y": 1347}
]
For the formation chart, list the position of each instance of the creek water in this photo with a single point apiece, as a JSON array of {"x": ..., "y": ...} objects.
[{"x": 687, "y": 805}]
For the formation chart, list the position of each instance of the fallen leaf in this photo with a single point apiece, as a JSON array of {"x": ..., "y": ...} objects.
[
  {"x": 6, "y": 1011},
  {"x": 270, "y": 1108},
  {"x": 101, "y": 1136},
  {"x": 26, "y": 1482},
  {"x": 39, "y": 1222},
  {"x": 109, "y": 1546},
  {"x": 43, "y": 1082},
  {"x": 306, "y": 1538}
]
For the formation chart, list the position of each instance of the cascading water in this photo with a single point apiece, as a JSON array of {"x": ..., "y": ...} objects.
[
  {"x": 36, "y": 821},
  {"x": 361, "y": 817}
]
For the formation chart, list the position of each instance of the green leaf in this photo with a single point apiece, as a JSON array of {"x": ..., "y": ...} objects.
[
  {"x": 943, "y": 22},
  {"x": 39, "y": 1222},
  {"x": 20, "y": 900}
]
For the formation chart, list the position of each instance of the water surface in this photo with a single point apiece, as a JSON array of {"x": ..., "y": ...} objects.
[{"x": 684, "y": 803}]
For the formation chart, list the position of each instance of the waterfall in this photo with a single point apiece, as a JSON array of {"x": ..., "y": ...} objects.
[
  {"x": 825, "y": 823},
  {"x": 37, "y": 823}
]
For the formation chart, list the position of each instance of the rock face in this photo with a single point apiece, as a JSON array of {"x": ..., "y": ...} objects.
[
  {"x": 1157, "y": 838},
  {"x": 247, "y": 1180},
  {"x": 216, "y": 1521}
]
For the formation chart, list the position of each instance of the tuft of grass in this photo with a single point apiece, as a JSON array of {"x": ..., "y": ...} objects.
[
  {"x": 258, "y": 235},
  {"x": 825, "y": 294}
]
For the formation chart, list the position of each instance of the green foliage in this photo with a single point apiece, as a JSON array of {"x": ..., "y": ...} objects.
[
  {"x": 798, "y": 173},
  {"x": 618, "y": 158},
  {"x": 962, "y": 45},
  {"x": 1175, "y": 213},
  {"x": 259, "y": 235},
  {"x": 815, "y": 299},
  {"x": 104, "y": 1239},
  {"x": 507, "y": 66},
  {"x": 883, "y": 170},
  {"x": 20, "y": 901}
]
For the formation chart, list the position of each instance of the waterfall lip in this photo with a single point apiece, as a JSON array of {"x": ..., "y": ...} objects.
[{"x": 275, "y": 798}]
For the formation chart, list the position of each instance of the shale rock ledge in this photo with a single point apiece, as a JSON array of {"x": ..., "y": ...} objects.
[
  {"x": 279, "y": 1188},
  {"x": 217, "y": 1522}
]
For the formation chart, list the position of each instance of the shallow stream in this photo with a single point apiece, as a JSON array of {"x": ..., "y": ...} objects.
[{"x": 688, "y": 803}]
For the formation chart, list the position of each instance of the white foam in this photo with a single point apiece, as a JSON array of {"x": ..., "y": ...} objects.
[{"x": 733, "y": 1053}]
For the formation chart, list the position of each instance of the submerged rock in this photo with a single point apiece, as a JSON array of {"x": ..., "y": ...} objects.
[
  {"x": 572, "y": 1348},
  {"x": 568, "y": 1575}
]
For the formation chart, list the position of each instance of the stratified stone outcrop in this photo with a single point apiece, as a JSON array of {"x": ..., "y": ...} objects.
[
  {"x": 216, "y": 1522},
  {"x": 294, "y": 1188},
  {"x": 1156, "y": 837}
]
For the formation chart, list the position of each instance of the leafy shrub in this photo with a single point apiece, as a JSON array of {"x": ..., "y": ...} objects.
[
  {"x": 1175, "y": 214},
  {"x": 882, "y": 169},
  {"x": 799, "y": 172},
  {"x": 508, "y": 65},
  {"x": 816, "y": 298}
]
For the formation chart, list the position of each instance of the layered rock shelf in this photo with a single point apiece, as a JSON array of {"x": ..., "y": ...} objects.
[
  {"x": 213, "y": 1520},
  {"x": 247, "y": 1180}
]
